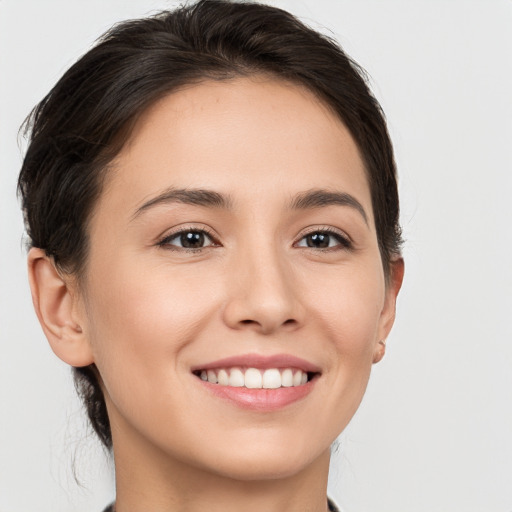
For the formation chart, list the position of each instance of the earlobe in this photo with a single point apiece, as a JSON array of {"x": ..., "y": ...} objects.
[
  {"x": 55, "y": 302},
  {"x": 379, "y": 351},
  {"x": 387, "y": 318}
]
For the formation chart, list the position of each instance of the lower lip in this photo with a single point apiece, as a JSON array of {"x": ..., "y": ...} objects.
[{"x": 260, "y": 399}]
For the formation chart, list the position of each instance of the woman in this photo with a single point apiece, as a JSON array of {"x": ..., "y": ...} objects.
[{"x": 210, "y": 196}]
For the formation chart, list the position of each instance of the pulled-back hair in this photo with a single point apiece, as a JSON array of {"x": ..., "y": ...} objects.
[{"x": 81, "y": 125}]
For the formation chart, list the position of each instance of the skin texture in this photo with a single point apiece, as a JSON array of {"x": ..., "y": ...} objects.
[{"x": 147, "y": 313}]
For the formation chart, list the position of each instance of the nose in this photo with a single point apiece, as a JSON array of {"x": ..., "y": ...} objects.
[{"x": 262, "y": 293}]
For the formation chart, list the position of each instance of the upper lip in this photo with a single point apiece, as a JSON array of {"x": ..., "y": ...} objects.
[{"x": 260, "y": 361}]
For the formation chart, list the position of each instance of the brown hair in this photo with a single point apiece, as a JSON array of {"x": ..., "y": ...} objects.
[{"x": 78, "y": 128}]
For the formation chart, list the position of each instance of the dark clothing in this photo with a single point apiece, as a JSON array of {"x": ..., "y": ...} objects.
[{"x": 332, "y": 507}]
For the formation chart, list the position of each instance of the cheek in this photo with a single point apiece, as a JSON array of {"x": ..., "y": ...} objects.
[
  {"x": 349, "y": 304},
  {"x": 349, "y": 310},
  {"x": 143, "y": 315}
]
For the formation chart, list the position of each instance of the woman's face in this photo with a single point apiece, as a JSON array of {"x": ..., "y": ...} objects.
[{"x": 235, "y": 241}]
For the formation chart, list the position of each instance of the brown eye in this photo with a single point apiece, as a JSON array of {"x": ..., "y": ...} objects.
[
  {"x": 189, "y": 239},
  {"x": 192, "y": 239},
  {"x": 323, "y": 240},
  {"x": 318, "y": 240}
]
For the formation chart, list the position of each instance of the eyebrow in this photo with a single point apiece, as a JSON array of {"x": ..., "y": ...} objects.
[
  {"x": 196, "y": 196},
  {"x": 315, "y": 198},
  {"x": 318, "y": 198}
]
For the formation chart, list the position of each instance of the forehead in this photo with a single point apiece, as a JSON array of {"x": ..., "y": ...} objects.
[{"x": 250, "y": 138}]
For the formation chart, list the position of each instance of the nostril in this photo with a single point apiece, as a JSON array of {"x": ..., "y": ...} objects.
[{"x": 288, "y": 322}]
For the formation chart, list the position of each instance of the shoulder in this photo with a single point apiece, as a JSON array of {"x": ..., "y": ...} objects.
[{"x": 332, "y": 507}]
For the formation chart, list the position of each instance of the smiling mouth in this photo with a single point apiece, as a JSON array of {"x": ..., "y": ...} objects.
[{"x": 256, "y": 378}]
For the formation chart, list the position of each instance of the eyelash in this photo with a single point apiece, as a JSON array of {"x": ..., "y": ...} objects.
[
  {"x": 165, "y": 241},
  {"x": 344, "y": 242}
]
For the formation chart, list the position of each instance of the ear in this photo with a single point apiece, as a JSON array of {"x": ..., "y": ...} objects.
[
  {"x": 56, "y": 301},
  {"x": 388, "y": 313}
]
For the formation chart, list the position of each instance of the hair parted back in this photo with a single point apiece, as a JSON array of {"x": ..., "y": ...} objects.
[{"x": 81, "y": 125}]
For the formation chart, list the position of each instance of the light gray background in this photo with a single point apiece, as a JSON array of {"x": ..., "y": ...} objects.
[{"x": 434, "y": 432}]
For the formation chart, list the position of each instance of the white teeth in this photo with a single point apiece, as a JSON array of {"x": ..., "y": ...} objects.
[
  {"x": 297, "y": 378},
  {"x": 212, "y": 376},
  {"x": 272, "y": 379},
  {"x": 253, "y": 378},
  {"x": 236, "y": 378},
  {"x": 223, "y": 377},
  {"x": 287, "y": 378}
]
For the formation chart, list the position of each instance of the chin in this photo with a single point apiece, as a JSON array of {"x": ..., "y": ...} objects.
[
  {"x": 270, "y": 462},
  {"x": 259, "y": 470}
]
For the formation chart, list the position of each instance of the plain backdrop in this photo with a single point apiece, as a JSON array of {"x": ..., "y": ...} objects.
[{"x": 434, "y": 432}]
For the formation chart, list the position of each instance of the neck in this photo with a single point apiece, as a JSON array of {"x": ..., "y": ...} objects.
[{"x": 146, "y": 479}]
